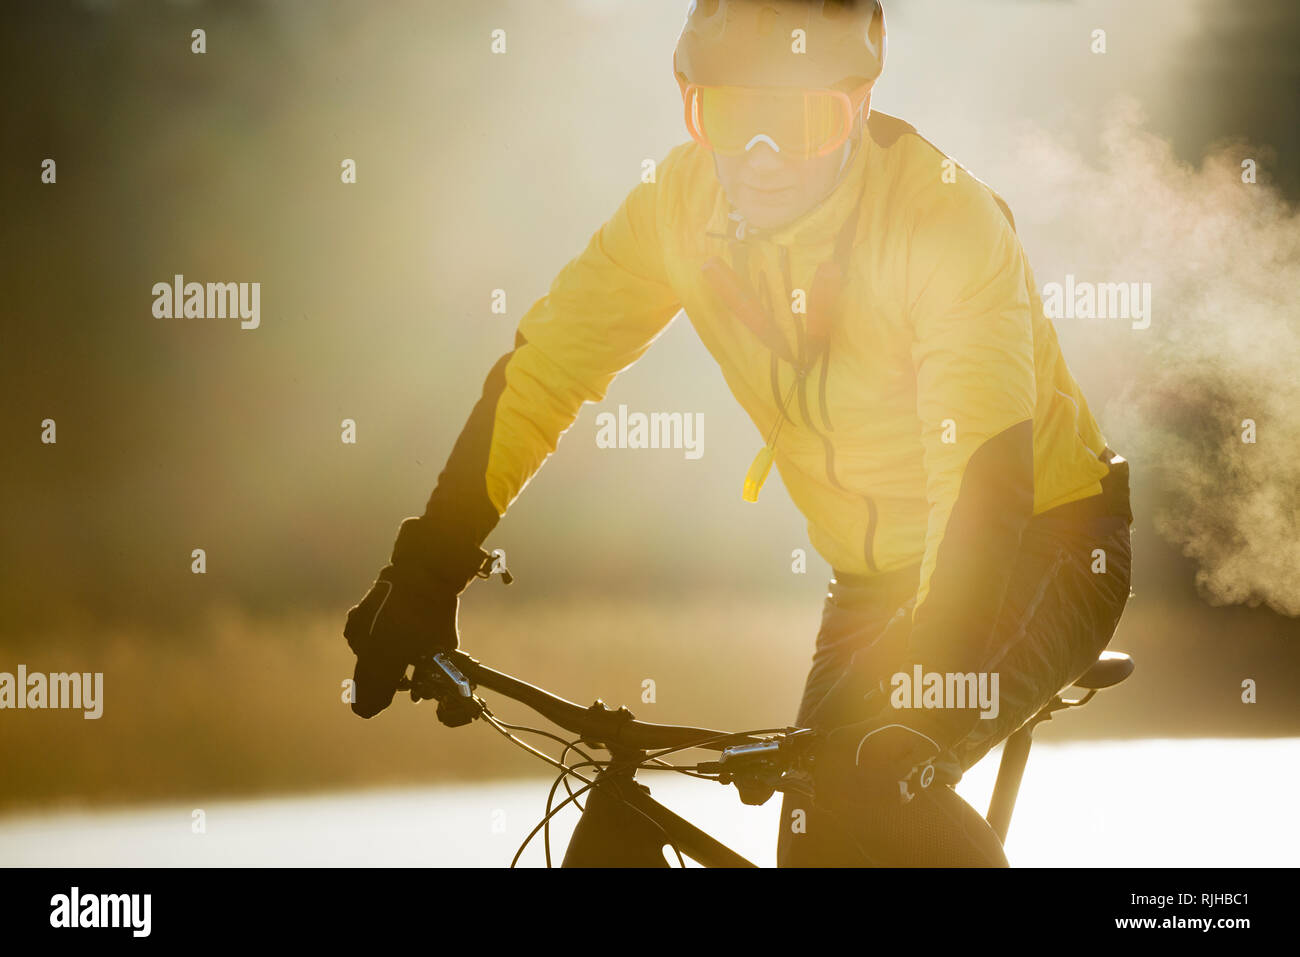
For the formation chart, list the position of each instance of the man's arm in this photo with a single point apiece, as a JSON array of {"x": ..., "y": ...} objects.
[
  {"x": 601, "y": 314},
  {"x": 973, "y": 354}
]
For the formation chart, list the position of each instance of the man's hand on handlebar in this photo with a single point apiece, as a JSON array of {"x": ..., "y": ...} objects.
[
  {"x": 409, "y": 612},
  {"x": 887, "y": 758}
]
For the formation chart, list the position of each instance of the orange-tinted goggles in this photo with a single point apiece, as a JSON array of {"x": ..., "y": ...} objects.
[{"x": 731, "y": 120}]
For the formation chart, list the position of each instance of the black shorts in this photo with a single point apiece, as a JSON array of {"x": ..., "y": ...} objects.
[{"x": 1057, "y": 616}]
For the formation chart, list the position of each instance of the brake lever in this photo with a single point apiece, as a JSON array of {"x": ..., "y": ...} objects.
[
  {"x": 453, "y": 675},
  {"x": 438, "y": 679},
  {"x": 435, "y": 677}
]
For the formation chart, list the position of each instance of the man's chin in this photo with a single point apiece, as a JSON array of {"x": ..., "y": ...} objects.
[{"x": 767, "y": 217}]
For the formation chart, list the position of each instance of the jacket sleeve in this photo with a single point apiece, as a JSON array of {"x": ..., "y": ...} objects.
[
  {"x": 972, "y": 351},
  {"x": 600, "y": 315}
]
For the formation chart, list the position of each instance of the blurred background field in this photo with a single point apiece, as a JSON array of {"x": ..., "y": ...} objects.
[
  {"x": 250, "y": 704},
  {"x": 253, "y": 705}
]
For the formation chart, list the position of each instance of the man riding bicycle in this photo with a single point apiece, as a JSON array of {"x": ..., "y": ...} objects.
[{"x": 871, "y": 307}]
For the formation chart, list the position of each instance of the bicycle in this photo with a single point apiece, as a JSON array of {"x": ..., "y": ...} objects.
[{"x": 621, "y": 825}]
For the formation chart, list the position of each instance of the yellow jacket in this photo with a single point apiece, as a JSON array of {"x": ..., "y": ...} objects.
[{"x": 939, "y": 348}]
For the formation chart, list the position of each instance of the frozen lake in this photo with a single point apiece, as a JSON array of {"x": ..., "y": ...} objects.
[{"x": 1208, "y": 802}]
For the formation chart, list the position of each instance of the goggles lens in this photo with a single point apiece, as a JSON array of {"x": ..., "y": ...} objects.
[{"x": 803, "y": 123}]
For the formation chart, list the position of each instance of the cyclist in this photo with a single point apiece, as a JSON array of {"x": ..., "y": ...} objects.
[{"x": 872, "y": 309}]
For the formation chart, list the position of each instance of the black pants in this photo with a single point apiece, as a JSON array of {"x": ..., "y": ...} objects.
[{"x": 1060, "y": 611}]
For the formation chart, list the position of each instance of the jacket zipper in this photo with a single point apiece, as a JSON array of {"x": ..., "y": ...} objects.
[
  {"x": 827, "y": 446},
  {"x": 821, "y": 391}
]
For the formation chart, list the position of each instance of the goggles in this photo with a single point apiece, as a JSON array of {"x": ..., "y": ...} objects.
[{"x": 731, "y": 120}]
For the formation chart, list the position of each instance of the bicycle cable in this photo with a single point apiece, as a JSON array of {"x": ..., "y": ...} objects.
[
  {"x": 540, "y": 824},
  {"x": 568, "y": 745},
  {"x": 546, "y": 831},
  {"x": 668, "y": 841},
  {"x": 565, "y": 771},
  {"x": 494, "y": 723}
]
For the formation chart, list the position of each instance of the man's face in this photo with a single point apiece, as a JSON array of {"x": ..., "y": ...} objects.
[{"x": 771, "y": 189}]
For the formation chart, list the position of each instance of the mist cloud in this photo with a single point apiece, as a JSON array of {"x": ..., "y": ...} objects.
[{"x": 1223, "y": 258}]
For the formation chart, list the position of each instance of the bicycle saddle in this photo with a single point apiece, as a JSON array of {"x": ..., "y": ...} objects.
[{"x": 1111, "y": 668}]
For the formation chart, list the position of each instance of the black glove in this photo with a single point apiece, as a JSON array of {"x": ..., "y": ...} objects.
[
  {"x": 409, "y": 611},
  {"x": 885, "y": 759}
]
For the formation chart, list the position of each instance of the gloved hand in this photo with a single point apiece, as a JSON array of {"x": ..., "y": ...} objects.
[
  {"x": 869, "y": 762},
  {"x": 409, "y": 611},
  {"x": 887, "y": 757}
]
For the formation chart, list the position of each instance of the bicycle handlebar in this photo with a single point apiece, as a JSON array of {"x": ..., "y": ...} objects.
[{"x": 614, "y": 729}]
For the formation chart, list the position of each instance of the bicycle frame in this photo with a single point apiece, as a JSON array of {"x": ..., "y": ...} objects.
[{"x": 622, "y": 826}]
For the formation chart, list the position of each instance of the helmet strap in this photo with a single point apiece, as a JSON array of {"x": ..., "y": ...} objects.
[{"x": 852, "y": 143}]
